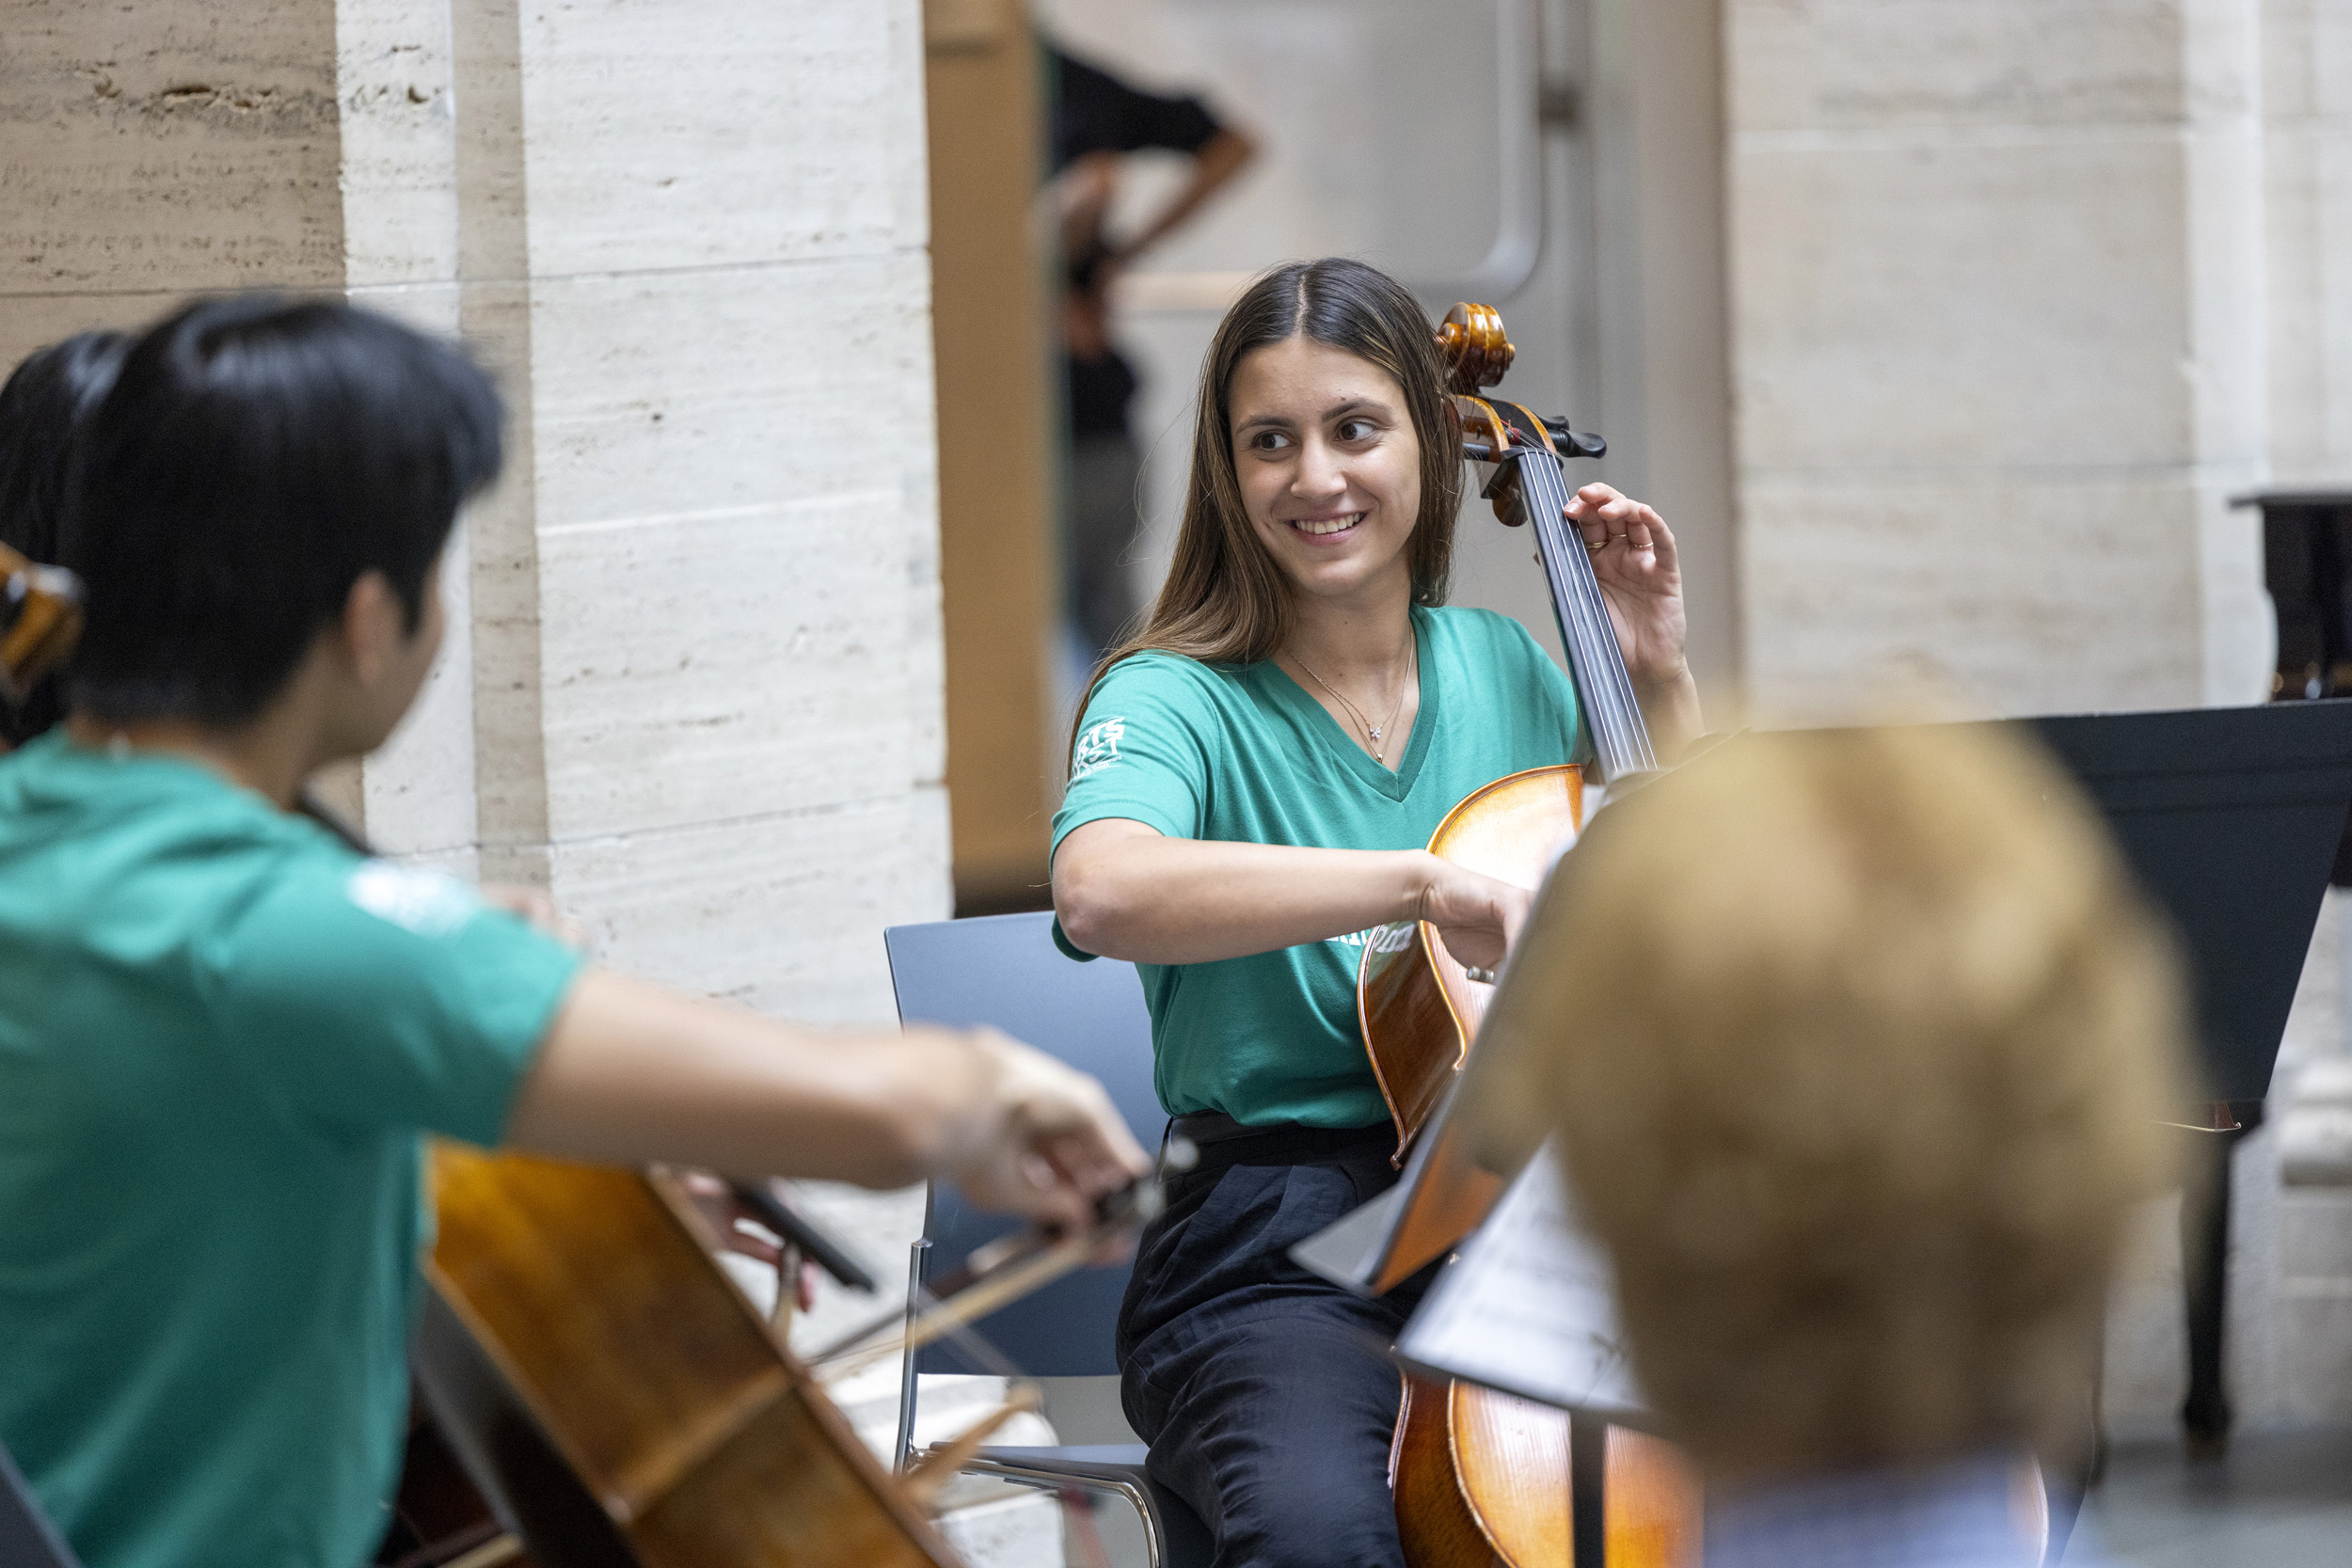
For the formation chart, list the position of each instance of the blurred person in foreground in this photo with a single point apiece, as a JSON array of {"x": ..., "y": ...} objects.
[
  {"x": 40, "y": 407},
  {"x": 1857, "y": 1046},
  {"x": 223, "y": 1029}
]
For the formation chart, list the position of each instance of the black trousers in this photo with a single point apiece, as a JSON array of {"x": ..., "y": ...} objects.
[{"x": 1267, "y": 1394}]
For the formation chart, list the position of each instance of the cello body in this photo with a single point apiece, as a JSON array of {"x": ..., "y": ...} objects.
[
  {"x": 1419, "y": 1008},
  {"x": 619, "y": 1401},
  {"x": 1486, "y": 1481},
  {"x": 1481, "y": 1479}
]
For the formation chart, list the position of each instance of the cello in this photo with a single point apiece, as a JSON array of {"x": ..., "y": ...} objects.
[
  {"x": 1481, "y": 1479},
  {"x": 619, "y": 1404}
]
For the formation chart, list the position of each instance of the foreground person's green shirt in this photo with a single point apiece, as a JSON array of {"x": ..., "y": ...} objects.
[
  {"x": 221, "y": 1033},
  {"x": 1241, "y": 752}
]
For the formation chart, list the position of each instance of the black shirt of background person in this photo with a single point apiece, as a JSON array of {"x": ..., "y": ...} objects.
[{"x": 1096, "y": 112}]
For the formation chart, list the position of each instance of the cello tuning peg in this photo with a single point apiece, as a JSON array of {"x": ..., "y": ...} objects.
[{"x": 1575, "y": 443}]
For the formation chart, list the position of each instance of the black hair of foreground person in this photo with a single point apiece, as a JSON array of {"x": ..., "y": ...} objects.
[
  {"x": 44, "y": 402},
  {"x": 261, "y": 450}
]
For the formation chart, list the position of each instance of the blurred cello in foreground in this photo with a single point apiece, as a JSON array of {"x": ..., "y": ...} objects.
[
  {"x": 620, "y": 1403},
  {"x": 1482, "y": 1479}
]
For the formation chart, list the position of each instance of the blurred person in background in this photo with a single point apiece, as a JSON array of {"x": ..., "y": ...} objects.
[
  {"x": 41, "y": 407},
  {"x": 1857, "y": 1048},
  {"x": 1098, "y": 119}
]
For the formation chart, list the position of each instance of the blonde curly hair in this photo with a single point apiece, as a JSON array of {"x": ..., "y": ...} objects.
[{"x": 1858, "y": 1045}]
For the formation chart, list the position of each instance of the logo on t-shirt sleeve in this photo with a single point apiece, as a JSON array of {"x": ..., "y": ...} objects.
[
  {"x": 1393, "y": 938},
  {"x": 1097, "y": 749},
  {"x": 424, "y": 902}
]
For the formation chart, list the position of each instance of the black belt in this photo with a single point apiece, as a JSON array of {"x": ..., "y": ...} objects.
[{"x": 1223, "y": 1141}]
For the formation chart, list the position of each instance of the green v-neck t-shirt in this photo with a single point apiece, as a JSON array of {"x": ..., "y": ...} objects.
[
  {"x": 222, "y": 1034},
  {"x": 1241, "y": 752}
]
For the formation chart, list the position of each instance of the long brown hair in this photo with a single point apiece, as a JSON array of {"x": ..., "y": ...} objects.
[{"x": 1224, "y": 601}]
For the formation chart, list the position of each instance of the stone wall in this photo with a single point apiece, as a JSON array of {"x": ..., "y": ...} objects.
[
  {"x": 2021, "y": 295},
  {"x": 1997, "y": 279},
  {"x": 693, "y": 676},
  {"x": 2307, "y": 192}
]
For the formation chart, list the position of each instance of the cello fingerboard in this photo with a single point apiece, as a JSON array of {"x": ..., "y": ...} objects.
[{"x": 1612, "y": 713}]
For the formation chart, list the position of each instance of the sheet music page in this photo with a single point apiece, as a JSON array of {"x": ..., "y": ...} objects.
[{"x": 1528, "y": 1307}]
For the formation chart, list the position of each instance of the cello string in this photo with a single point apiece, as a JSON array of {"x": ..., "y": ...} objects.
[
  {"x": 1625, "y": 717},
  {"x": 1548, "y": 500},
  {"x": 1624, "y": 709},
  {"x": 1620, "y": 733}
]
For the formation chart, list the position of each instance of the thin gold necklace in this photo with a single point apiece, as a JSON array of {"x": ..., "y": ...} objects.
[{"x": 1371, "y": 732}]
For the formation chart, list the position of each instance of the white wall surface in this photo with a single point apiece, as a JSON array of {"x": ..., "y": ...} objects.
[{"x": 1998, "y": 285}]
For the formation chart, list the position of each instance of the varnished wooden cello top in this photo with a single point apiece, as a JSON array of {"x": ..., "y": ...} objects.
[
  {"x": 41, "y": 617},
  {"x": 620, "y": 1400}
]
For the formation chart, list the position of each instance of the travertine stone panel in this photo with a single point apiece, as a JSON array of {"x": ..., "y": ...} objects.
[
  {"x": 1869, "y": 64},
  {"x": 711, "y": 666},
  {"x": 399, "y": 127},
  {"x": 494, "y": 259},
  {"x": 741, "y": 130},
  {"x": 782, "y": 913},
  {"x": 1928, "y": 306},
  {"x": 153, "y": 145},
  {"x": 2307, "y": 139},
  {"x": 738, "y": 545},
  {"x": 694, "y": 664},
  {"x": 1974, "y": 588},
  {"x": 1996, "y": 300},
  {"x": 661, "y": 392},
  {"x": 399, "y": 134}
]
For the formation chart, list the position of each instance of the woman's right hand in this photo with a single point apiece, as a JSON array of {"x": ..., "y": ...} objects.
[{"x": 1478, "y": 917}]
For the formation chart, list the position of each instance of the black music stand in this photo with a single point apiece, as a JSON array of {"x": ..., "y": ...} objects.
[{"x": 2233, "y": 817}]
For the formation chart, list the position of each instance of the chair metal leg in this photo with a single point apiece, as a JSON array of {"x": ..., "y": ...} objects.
[
  {"x": 904, "y": 1451},
  {"x": 1053, "y": 1481}
]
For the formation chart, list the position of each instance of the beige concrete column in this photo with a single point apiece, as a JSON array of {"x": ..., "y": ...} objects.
[
  {"x": 720, "y": 227},
  {"x": 1996, "y": 274}
]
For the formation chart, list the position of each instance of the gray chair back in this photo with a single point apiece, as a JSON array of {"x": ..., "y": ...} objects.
[
  {"x": 27, "y": 1540},
  {"x": 1004, "y": 971}
]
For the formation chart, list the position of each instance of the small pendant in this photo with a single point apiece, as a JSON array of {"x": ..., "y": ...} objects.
[{"x": 1375, "y": 734}]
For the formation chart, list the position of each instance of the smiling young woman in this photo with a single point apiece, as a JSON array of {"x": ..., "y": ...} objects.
[{"x": 1253, "y": 777}]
